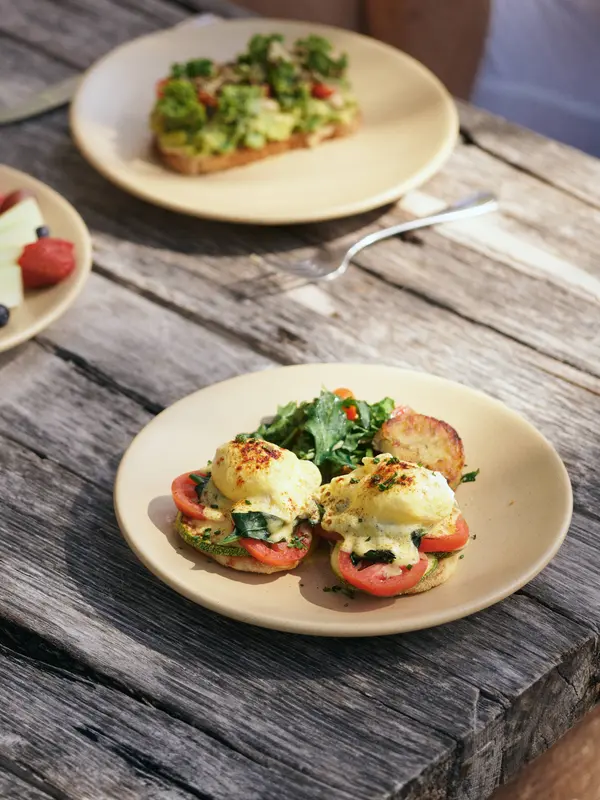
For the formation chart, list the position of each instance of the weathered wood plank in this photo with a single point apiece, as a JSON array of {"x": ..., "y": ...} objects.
[
  {"x": 502, "y": 271},
  {"x": 87, "y": 740},
  {"x": 86, "y": 31},
  {"x": 90, "y": 603},
  {"x": 94, "y": 402},
  {"x": 156, "y": 353},
  {"x": 97, "y": 406},
  {"x": 565, "y": 167},
  {"x": 449, "y": 271},
  {"x": 17, "y": 787},
  {"x": 88, "y": 578},
  {"x": 84, "y": 595}
]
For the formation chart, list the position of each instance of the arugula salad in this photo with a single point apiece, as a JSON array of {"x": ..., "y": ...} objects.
[{"x": 335, "y": 430}]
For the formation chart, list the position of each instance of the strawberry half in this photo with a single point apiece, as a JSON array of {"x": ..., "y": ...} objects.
[{"x": 46, "y": 262}]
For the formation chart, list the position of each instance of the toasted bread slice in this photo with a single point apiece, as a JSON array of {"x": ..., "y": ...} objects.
[
  {"x": 443, "y": 570},
  {"x": 423, "y": 440},
  {"x": 202, "y": 164}
]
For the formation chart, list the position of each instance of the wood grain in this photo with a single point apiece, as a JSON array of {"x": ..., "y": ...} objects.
[
  {"x": 145, "y": 694},
  {"x": 19, "y": 786},
  {"x": 570, "y": 170},
  {"x": 71, "y": 600},
  {"x": 98, "y": 742}
]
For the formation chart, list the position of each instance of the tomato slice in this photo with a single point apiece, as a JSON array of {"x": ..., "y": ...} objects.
[
  {"x": 185, "y": 498},
  {"x": 374, "y": 579},
  {"x": 208, "y": 99},
  {"x": 160, "y": 87},
  {"x": 446, "y": 544},
  {"x": 280, "y": 554},
  {"x": 322, "y": 91},
  {"x": 350, "y": 411}
]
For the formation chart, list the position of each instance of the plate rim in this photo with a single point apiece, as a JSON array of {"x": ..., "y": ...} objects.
[
  {"x": 7, "y": 342},
  {"x": 339, "y": 212},
  {"x": 348, "y": 628}
]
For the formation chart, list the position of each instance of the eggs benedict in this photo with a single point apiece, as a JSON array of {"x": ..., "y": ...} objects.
[
  {"x": 251, "y": 508},
  {"x": 396, "y": 526}
]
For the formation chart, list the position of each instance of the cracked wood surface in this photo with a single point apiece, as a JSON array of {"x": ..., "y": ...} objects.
[{"x": 111, "y": 685}]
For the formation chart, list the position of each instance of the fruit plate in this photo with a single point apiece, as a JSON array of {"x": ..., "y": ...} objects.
[
  {"x": 41, "y": 307},
  {"x": 519, "y": 508},
  {"x": 409, "y": 128}
]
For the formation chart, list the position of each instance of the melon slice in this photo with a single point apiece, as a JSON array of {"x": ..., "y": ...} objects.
[
  {"x": 11, "y": 286},
  {"x": 17, "y": 236},
  {"x": 26, "y": 215}
]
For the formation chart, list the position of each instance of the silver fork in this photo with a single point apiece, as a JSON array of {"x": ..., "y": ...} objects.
[{"x": 326, "y": 264}]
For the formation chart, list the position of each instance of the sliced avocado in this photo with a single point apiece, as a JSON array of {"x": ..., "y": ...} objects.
[
  {"x": 281, "y": 128},
  {"x": 318, "y": 108},
  {"x": 185, "y": 530},
  {"x": 345, "y": 115},
  {"x": 211, "y": 140},
  {"x": 174, "y": 139},
  {"x": 254, "y": 140}
]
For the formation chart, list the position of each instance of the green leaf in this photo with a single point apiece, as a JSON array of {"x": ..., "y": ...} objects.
[
  {"x": 364, "y": 413},
  {"x": 319, "y": 431},
  {"x": 380, "y": 412},
  {"x": 200, "y": 481},
  {"x": 416, "y": 536},
  {"x": 251, "y": 525},
  {"x": 469, "y": 477},
  {"x": 379, "y": 556},
  {"x": 199, "y": 68},
  {"x": 284, "y": 426},
  {"x": 327, "y": 422},
  {"x": 180, "y": 108}
]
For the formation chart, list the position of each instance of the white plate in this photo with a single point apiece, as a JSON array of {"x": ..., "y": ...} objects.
[
  {"x": 43, "y": 306},
  {"x": 409, "y": 128},
  {"x": 519, "y": 508}
]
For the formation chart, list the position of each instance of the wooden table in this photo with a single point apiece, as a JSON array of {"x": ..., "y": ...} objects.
[{"x": 113, "y": 686}]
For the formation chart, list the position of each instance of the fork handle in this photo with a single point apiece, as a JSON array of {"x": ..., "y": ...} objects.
[{"x": 480, "y": 203}]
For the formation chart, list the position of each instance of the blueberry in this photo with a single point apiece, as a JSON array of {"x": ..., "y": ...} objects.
[
  {"x": 4, "y": 316},
  {"x": 42, "y": 231}
]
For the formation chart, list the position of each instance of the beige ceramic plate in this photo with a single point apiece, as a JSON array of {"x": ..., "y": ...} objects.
[
  {"x": 519, "y": 508},
  {"x": 44, "y": 306},
  {"x": 410, "y": 127}
]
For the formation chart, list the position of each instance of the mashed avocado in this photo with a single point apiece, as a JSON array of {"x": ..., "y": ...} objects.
[{"x": 265, "y": 95}]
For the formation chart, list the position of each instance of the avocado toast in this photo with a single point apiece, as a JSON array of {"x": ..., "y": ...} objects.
[{"x": 209, "y": 117}]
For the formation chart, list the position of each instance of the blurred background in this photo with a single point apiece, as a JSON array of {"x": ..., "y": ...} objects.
[{"x": 534, "y": 62}]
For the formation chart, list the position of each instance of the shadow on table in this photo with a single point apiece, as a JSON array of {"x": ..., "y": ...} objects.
[
  {"x": 113, "y": 212},
  {"x": 127, "y": 597}
]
